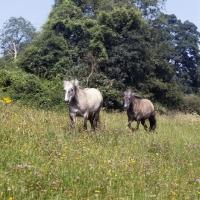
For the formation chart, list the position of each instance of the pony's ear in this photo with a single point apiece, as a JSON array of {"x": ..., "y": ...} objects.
[
  {"x": 74, "y": 82},
  {"x": 128, "y": 92}
]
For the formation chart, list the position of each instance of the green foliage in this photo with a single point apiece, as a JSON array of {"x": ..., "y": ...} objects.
[
  {"x": 48, "y": 57},
  {"x": 30, "y": 90},
  {"x": 112, "y": 99},
  {"x": 191, "y": 104}
]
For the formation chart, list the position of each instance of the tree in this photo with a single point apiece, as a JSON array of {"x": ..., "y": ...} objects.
[
  {"x": 15, "y": 35},
  {"x": 47, "y": 57},
  {"x": 186, "y": 55},
  {"x": 112, "y": 49},
  {"x": 151, "y": 9}
]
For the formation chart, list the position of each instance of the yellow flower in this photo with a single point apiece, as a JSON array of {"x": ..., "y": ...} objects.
[
  {"x": 10, "y": 198},
  {"x": 133, "y": 160},
  {"x": 7, "y": 99},
  {"x": 198, "y": 193},
  {"x": 97, "y": 191}
]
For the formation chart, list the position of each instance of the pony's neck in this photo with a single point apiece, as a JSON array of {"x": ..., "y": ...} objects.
[
  {"x": 78, "y": 94},
  {"x": 133, "y": 101}
]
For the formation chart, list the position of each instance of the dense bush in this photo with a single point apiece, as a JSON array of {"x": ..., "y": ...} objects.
[
  {"x": 191, "y": 104},
  {"x": 29, "y": 90}
]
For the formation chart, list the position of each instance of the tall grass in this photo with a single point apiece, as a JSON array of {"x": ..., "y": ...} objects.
[{"x": 43, "y": 158}]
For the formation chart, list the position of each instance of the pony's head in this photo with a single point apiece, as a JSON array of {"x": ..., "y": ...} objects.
[
  {"x": 127, "y": 99},
  {"x": 69, "y": 89}
]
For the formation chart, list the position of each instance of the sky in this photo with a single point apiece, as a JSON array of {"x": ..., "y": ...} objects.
[
  {"x": 184, "y": 10},
  {"x": 37, "y": 11},
  {"x": 34, "y": 11}
]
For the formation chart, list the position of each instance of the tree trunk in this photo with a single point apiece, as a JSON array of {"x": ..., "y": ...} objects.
[{"x": 15, "y": 50}]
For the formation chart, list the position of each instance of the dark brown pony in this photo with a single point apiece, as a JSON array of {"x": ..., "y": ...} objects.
[{"x": 139, "y": 109}]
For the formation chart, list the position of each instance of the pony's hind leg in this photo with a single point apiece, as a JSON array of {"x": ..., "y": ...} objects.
[
  {"x": 92, "y": 121},
  {"x": 152, "y": 121},
  {"x": 96, "y": 118},
  {"x": 85, "y": 121},
  {"x": 143, "y": 123}
]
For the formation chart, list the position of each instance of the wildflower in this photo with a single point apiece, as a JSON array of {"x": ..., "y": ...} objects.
[
  {"x": 97, "y": 191},
  {"x": 20, "y": 166},
  {"x": 198, "y": 193},
  {"x": 7, "y": 100},
  {"x": 70, "y": 194},
  {"x": 133, "y": 160},
  {"x": 10, "y": 198},
  {"x": 198, "y": 180}
]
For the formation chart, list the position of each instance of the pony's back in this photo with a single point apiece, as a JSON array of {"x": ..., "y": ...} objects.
[
  {"x": 146, "y": 105},
  {"x": 94, "y": 98}
]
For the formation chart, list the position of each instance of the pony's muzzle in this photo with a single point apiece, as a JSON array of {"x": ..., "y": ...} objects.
[
  {"x": 67, "y": 101},
  {"x": 125, "y": 108}
]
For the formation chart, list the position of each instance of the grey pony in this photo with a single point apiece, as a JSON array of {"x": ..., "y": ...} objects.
[{"x": 86, "y": 103}]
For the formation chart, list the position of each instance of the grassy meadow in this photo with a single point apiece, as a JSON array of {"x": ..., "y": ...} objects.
[{"x": 43, "y": 158}]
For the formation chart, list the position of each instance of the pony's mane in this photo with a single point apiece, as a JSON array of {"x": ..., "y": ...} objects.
[
  {"x": 136, "y": 96},
  {"x": 129, "y": 92}
]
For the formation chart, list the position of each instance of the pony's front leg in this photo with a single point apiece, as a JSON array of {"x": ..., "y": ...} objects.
[
  {"x": 129, "y": 125},
  {"x": 137, "y": 125},
  {"x": 73, "y": 119},
  {"x": 138, "y": 119}
]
